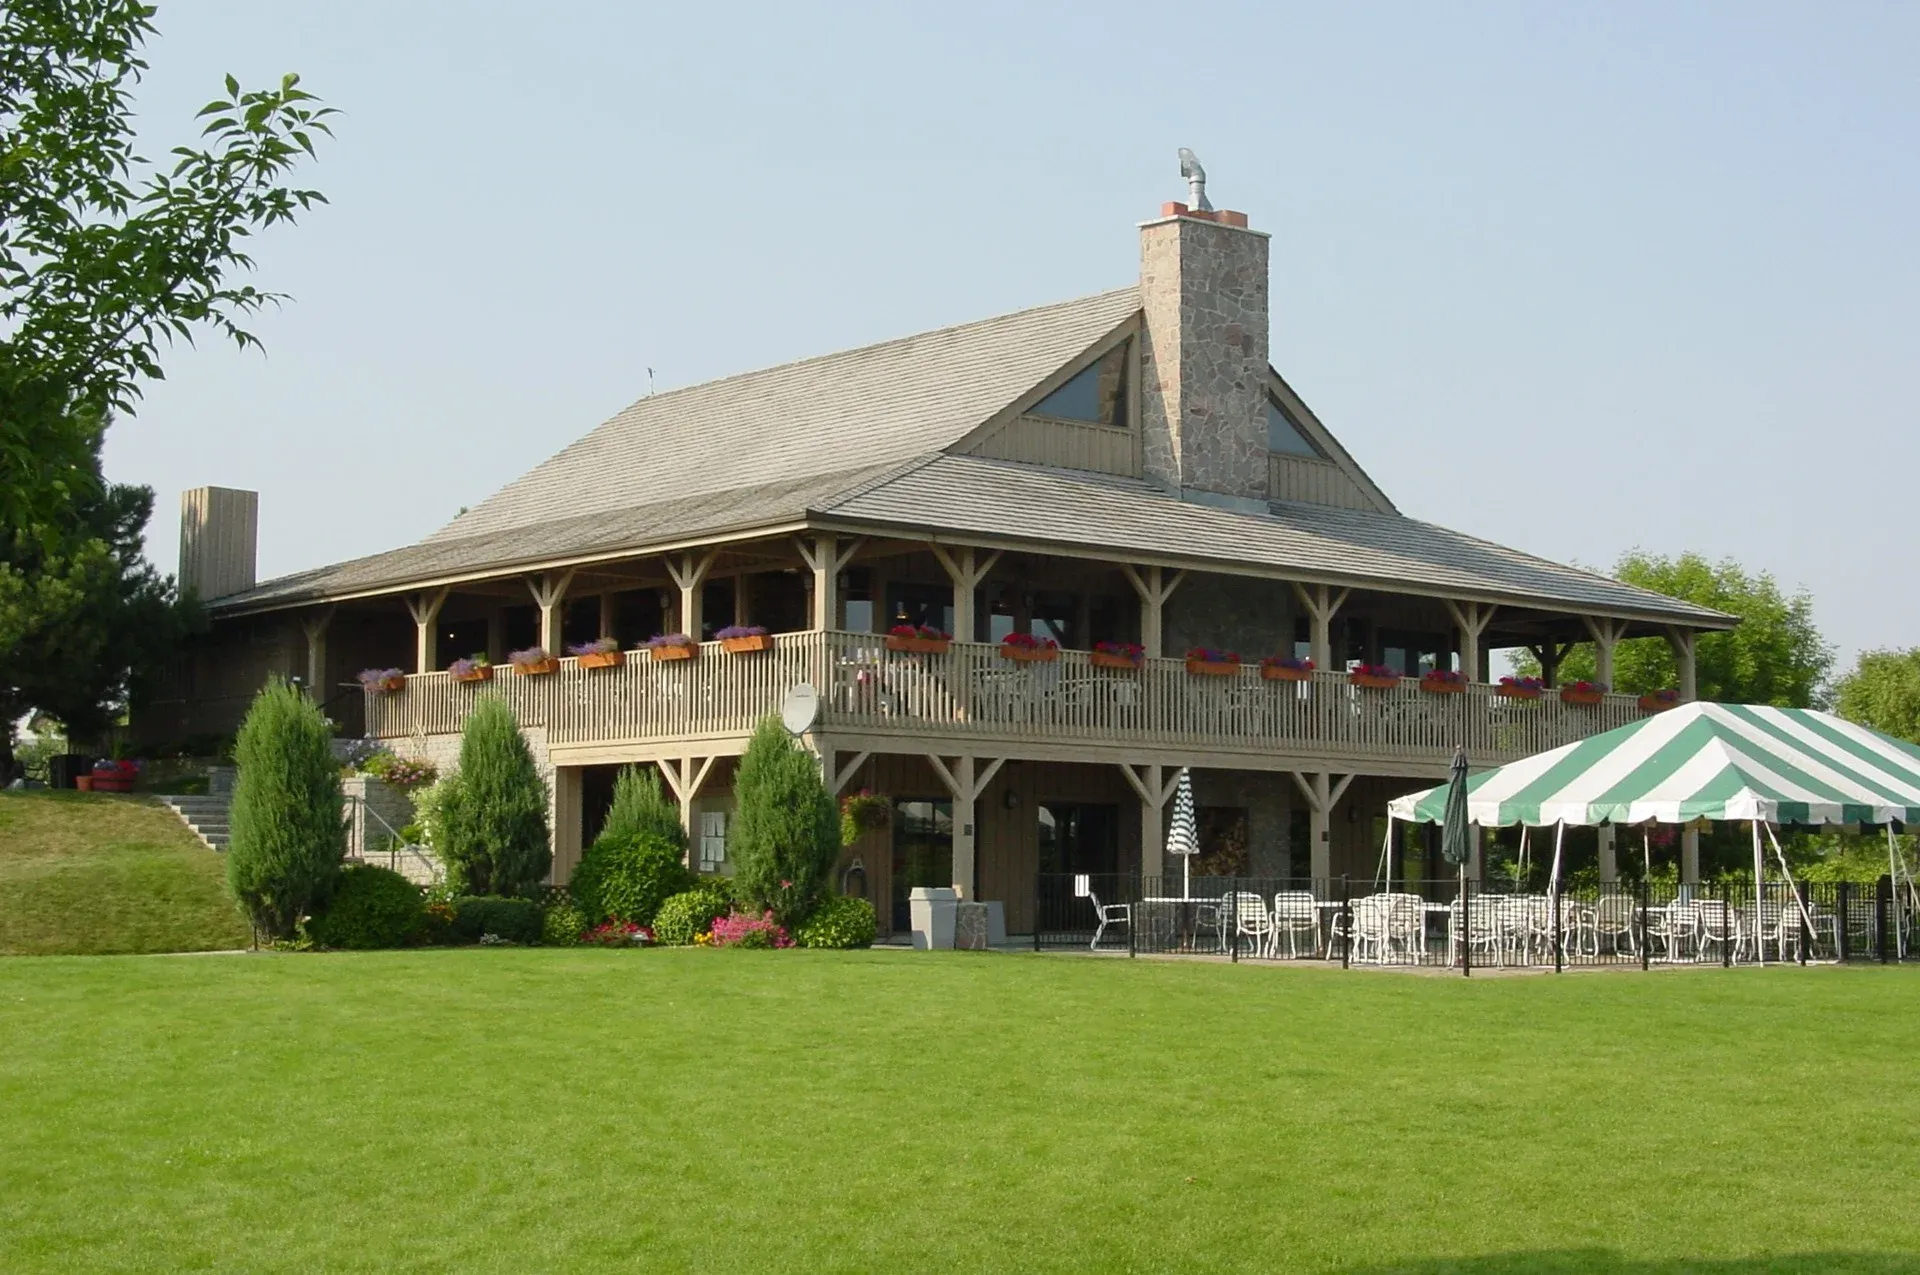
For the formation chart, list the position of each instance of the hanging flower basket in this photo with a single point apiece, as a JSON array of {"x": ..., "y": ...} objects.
[
  {"x": 601, "y": 653},
  {"x": 1519, "y": 688},
  {"x": 383, "y": 681},
  {"x": 1024, "y": 648},
  {"x": 671, "y": 646},
  {"x": 533, "y": 662},
  {"x": 1204, "y": 661},
  {"x": 921, "y": 640},
  {"x": 1375, "y": 677},
  {"x": 1659, "y": 701},
  {"x": 473, "y": 670},
  {"x": 1125, "y": 656},
  {"x": 1286, "y": 668},
  {"x": 1443, "y": 682},
  {"x": 744, "y": 639},
  {"x": 1585, "y": 693}
]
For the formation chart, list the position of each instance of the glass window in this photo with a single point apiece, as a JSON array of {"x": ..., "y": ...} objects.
[
  {"x": 922, "y": 852},
  {"x": 1097, "y": 394},
  {"x": 1054, "y": 615},
  {"x": 1283, "y": 435},
  {"x": 1079, "y": 838},
  {"x": 928, "y": 604}
]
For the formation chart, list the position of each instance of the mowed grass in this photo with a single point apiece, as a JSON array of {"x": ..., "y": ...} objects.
[
  {"x": 90, "y": 873},
  {"x": 577, "y": 1110}
]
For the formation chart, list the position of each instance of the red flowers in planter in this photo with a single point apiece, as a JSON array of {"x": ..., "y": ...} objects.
[
  {"x": 1379, "y": 677},
  {"x": 1028, "y": 649},
  {"x": 1443, "y": 681},
  {"x": 1207, "y": 661},
  {"x": 1286, "y": 668},
  {"x": 923, "y": 638}
]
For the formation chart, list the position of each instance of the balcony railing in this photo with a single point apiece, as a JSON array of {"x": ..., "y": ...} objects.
[{"x": 973, "y": 690}]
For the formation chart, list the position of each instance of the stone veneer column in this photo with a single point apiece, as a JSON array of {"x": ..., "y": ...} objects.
[{"x": 1203, "y": 290}]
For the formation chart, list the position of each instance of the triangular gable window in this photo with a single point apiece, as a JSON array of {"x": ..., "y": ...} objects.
[
  {"x": 1284, "y": 436},
  {"x": 1097, "y": 393}
]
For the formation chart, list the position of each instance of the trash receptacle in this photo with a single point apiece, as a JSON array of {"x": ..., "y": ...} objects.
[{"x": 931, "y": 909}]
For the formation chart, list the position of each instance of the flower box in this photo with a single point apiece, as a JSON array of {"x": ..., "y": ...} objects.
[
  {"x": 1031, "y": 654},
  {"x": 1284, "y": 673},
  {"x": 388, "y": 685},
  {"x": 1658, "y": 703},
  {"x": 919, "y": 645},
  {"x": 1373, "y": 681},
  {"x": 1442, "y": 686},
  {"x": 747, "y": 645},
  {"x": 1114, "y": 660},
  {"x": 673, "y": 651},
  {"x": 601, "y": 659},
  {"x": 83, "y": 783},
  {"x": 1580, "y": 695},
  {"x": 1517, "y": 692},
  {"x": 479, "y": 673},
  {"x": 537, "y": 668},
  {"x": 1212, "y": 668}
]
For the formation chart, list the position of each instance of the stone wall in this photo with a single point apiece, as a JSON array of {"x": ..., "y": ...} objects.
[
  {"x": 1267, "y": 799},
  {"x": 1203, "y": 289},
  {"x": 1252, "y": 616}
]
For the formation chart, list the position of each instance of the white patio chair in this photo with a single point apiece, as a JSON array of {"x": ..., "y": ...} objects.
[
  {"x": 1579, "y": 927},
  {"x": 1295, "y": 912},
  {"x": 1616, "y": 918},
  {"x": 1719, "y": 927},
  {"x": 1675, "y": 927},
  {"x": 1371, "y": 928},
  {"x": 1407, "y": 926},
  {"x": 1252, "y": 920},
  {"x": 1780, "y": 925},
  {"x": 1212, "y": 914},
  {"x": 1482, "y": 930},
  {"x": 1108, "y": 914}
]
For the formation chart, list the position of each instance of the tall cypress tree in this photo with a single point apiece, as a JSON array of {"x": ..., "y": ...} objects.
[
  {"x": 496, "y": 824},
  {"x": 786, "y": 829},
  {"x": 287, "y": 835},
  {"x": 640, "y": 806}
]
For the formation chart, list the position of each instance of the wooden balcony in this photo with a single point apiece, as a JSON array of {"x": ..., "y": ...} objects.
[{"x": 973, "y": 698}]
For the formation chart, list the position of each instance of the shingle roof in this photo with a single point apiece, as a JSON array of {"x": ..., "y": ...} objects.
[
  {"x": 1002, "y": 499},
  {"x": 873, "y": 405}
]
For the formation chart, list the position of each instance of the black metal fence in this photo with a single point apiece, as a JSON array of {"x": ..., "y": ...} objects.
[{"x": 1436, "y": 923}]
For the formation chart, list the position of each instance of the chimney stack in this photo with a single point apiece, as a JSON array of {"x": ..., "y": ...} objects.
[
  {"x": 1203, "y": 288},
  {"x": 219, "y": 537}
]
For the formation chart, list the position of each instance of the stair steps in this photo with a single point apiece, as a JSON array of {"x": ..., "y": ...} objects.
[{"x": 207, "y": 817}]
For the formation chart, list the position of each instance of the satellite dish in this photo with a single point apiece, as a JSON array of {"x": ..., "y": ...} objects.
[{"x": 800, "y": 709}]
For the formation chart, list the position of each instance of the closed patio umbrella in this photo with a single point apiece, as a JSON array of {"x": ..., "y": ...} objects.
[
  {"x": 1183, "y": 838},
  {"x": 1456, "y": 839}
]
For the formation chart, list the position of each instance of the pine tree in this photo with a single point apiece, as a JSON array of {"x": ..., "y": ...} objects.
[
  {"x": 287, "y": 834},
  {"x": 495, "y": 826},
  {"x": 640, "y": 806},
  {"x": 786, "y": 829}
]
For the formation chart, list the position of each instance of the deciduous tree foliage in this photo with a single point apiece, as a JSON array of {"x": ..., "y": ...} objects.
[
  {"x": 495, "y": 820},
  {"x": 786, "y": 830},
  {"x": 1883, "y": 691},
  {"x": 287, "y": 837},
  {"x": 104, "y": 259},
  {"x": 1776, "y": 655}
]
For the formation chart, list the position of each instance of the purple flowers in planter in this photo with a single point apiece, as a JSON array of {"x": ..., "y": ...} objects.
[
  {"x": 382, "y": 680},
  {"x": 667, "y": 639},
  {"x": 599, "y": 646},
  {"x": 532, "y": 655},
  {"x": 741, "y": 631}
]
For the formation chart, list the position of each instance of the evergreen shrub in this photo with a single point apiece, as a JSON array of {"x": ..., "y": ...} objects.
[
  {"x": 693, "y": 912},
  {"x": 516, "y": 920},
  {"x": 287, "y": 835},
  {"x": 625, "y": 876},
  {"x": 494, "y": 822},
  {"x": 641, "y": 807},
  {"x": 786, "y": 830},
  {"x": 838, "y": 922},
  {"x": 561, "y": 921},
  {"x": 371, "y": 907}
]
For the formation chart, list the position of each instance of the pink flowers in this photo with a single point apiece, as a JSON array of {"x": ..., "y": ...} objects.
[
  {"x": 740, "y": 930},
  {"x": 618, "y": 934}
]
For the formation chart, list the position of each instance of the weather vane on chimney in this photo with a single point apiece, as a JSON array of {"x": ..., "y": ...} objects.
[{"x": 1196, "y": 180}]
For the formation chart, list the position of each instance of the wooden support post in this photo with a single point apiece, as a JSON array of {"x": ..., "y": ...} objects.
[
  {"x": 1322, "y": 604},
  {"x": 568, "y": 834},
  {"x": 689, "y": 573},
  {"x": 1690, "y": 855},
  {"x": 1550, "y": 653},
  {"x": 497, "y": 634},
  {"x": 742, "y": 606},
  {"x": 609, "y": 613},
  {"x": 966, "y": 779},
  {"x": 838, "y": 776},
  {"x": 1154, "y": 784},
  {"x": 966, "y": 568},
  {"x": 549, "y": 591},
  {"x": 1606, "y": 633},
  {"x": 684, "y": 776},
  {"x": 1154, "y": 586},
  {"x": 1323, "y": 793},
  {"x": 425, "y": 609},
  {"x": 826, "y": 556},
  {"x": 1471, "y": 620},
  {"x": 1609, "y": 859},
  {"x": 314, "y": 625},
  {"x": 1682, "y": 642}
]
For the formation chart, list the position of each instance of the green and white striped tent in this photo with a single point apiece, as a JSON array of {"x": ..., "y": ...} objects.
[{"x": 1699, "y": 761}]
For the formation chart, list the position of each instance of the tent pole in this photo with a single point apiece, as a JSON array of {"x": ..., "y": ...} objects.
[
  {"x": 1382, "y": 873},
  {"x": 1759, "y": 886},
  {"x": 1520, "y": 863},
  {"x": 1893, "y": 871},
  {"x": 1646, "y": 851},
  {"x": 1785, "y": 871},
  {"x": 1559, "y": 832}
]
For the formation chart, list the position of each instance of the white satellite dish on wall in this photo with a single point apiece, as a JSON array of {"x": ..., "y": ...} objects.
[{"x": 800, "y": 709}]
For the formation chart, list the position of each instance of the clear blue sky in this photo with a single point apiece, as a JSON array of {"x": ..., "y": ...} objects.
[{"x": 1572, "y": 278}]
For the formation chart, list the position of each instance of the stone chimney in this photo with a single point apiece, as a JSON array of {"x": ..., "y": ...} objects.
[
  {"x": 1203, "y": 287},
  {"x": 219, "y": 534}
]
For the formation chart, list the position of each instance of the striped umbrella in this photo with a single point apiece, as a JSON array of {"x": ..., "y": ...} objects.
[
  {"x": 1699, "y": 761},
  {"x": 1183, "y": 838}
]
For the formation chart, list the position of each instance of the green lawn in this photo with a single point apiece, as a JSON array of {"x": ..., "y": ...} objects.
[
  {"x": 87, "y": 873},
  {"x": 534, "y": 1110}
]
